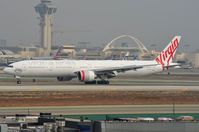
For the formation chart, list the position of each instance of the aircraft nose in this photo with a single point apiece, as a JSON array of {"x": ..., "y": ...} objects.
[{"x": 8, "y": 70}]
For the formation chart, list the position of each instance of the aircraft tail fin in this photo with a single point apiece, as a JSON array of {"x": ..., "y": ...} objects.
[
  {"x": 166, "y": 56},
  {"x": 56, "y": 56}
]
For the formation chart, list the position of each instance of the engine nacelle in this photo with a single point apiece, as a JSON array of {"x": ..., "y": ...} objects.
[
  {"x": 64, "y": 78},
  {"x": 86, "y": 76}
]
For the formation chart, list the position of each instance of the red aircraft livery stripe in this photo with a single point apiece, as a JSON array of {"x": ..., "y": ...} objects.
[{"x": 83, "y": 75}]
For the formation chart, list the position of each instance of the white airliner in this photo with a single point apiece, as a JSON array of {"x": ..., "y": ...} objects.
[{"x": 93, "y": 71}]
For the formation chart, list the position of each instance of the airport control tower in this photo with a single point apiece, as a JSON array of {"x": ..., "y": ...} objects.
[{"x": 46, "y": 10}]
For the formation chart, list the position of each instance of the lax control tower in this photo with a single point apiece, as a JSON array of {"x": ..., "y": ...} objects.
[{"x": 46, "y": 10}]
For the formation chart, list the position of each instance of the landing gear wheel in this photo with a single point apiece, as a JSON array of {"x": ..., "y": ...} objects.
[
  {"x": 102, "y": 82},
  {"x": 18, "y": 81},
  {"x": 90, "y": 82},
  {"x": 33, "y": 80}
]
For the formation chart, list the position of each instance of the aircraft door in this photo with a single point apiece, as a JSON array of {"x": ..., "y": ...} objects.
[{"x": 50, "y": 66}]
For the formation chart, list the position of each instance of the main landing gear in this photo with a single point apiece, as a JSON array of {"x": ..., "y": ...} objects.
[
  {"x": 18, "y": 81},
  {"x": 104, "y": 82}
]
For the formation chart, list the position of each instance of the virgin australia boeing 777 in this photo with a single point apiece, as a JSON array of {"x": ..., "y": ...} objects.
[{"x": 89, "y": 71}]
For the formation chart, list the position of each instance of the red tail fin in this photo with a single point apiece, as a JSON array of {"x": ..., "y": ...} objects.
[{"x": 167, "y": 55}]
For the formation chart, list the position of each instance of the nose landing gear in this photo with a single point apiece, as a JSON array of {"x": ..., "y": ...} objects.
[{"x": 18, "y": 81}]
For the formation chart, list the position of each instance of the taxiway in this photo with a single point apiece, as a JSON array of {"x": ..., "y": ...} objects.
[{"x": 101, "y": 109}]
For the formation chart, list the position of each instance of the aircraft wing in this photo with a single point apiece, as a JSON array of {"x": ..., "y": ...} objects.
[
  {"x": 173, "y": 65},
  {"x": 120, "y": 69},
  {"x": 111, "y": 72}
]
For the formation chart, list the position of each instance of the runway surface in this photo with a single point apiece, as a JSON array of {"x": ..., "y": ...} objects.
[
  {"x": 174, "y": 84},
  {"x": 83, "y": 88},
  {"x": 176, "y": 79},
  {"x": 102, "y": 109},
  {"x": 144, "y": 81}
]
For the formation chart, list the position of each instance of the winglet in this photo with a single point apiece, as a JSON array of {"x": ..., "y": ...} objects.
[{"x": 166, "y": 56}]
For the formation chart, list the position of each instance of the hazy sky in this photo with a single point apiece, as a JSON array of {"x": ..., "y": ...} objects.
[{"x": 99, "y": 21}]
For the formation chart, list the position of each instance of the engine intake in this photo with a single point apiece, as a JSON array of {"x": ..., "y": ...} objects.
[{"x": 86, "y": 76}]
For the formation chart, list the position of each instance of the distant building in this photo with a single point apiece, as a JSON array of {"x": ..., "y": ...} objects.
[
  {"x": 3, "y": 128},
  {"x": 181, "y": 57},
  {"x": 68, "y": 51},
  {"x": 134, "y": 50},
  {"x": 3, "y": 43},
  {"x": 196, "y": 60},
  {"x": 192, "y": 58},
  {"x": 27, "y": 52}
]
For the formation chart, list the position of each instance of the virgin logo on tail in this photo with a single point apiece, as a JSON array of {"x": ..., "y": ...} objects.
[{"x": 167, "y": 55}]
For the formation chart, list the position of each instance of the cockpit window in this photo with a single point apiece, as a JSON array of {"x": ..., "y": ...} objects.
[{"x": 10, "y": 65}]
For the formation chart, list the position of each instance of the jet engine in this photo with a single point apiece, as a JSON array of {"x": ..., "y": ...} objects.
[
  {"x": 86, "y": 76},
  {"x": 64, "y": 78}
]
